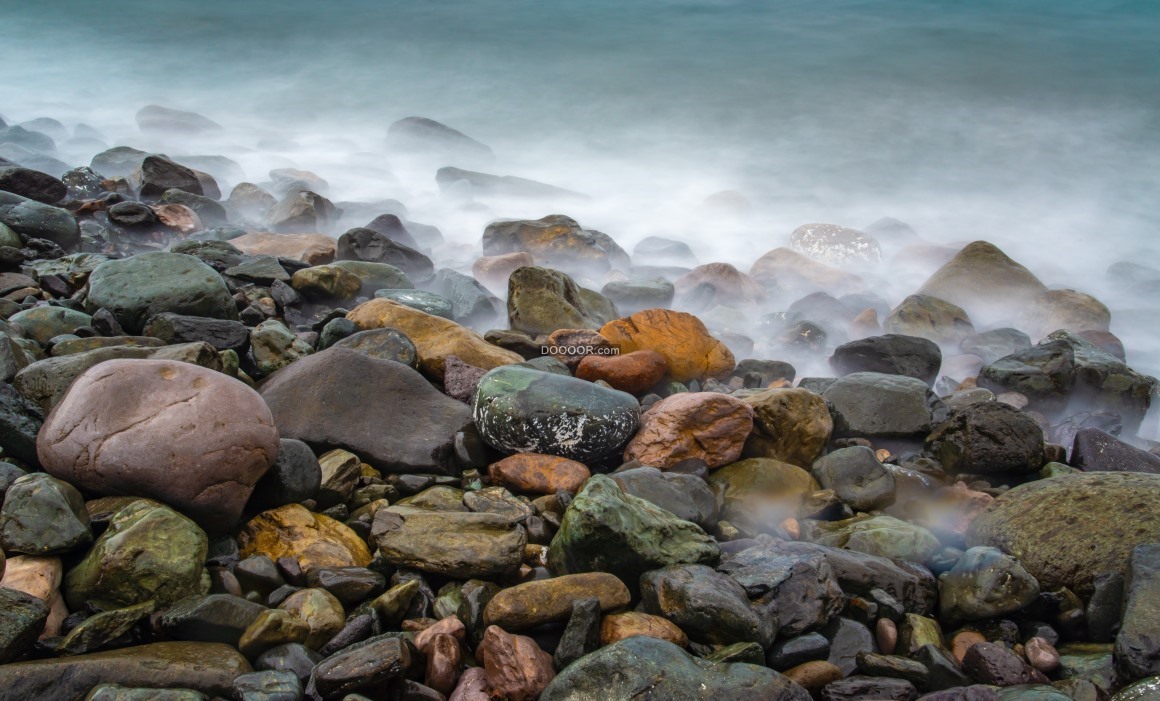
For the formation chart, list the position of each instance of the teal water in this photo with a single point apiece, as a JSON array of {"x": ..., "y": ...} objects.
[{"x": 1032, "y": 123}]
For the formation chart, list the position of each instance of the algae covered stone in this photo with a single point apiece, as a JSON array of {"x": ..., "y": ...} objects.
[
  {"x": 1065, "y": 530},
  {"x": 149, "y": 551},
  {"x": 606, "y": 530},
  {"x": 521, "y": 410},
  {"x": 314, "y": 540},
  {"x": 136, "y": 288},
  {"x": 621, "y": 670}
]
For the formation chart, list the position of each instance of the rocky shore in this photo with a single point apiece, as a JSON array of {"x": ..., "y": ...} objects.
[{"x": 265, "y": 446}]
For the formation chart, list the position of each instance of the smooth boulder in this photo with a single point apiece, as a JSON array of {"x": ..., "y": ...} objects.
[
  {"x": 519, "y": 410},
  {"x": 418, "y": 436},
  {"x": 193, "y": 438}
]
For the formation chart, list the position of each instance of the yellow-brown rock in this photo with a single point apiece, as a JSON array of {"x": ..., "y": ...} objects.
[
  {"x": 543, "y": 601},
  {"x": 315, "y": 249},
  {"x": 635, "y": 373},
  {"x": 537, "y": 473},
  {"x": 814, "y": 676},
  {"x": 320, "y": 610},
  {"x": 322, "y": 282},
  {"x": 434, "y": 337},
  {"x": 312, "y": 539},
  {"x": 619, "y": 626},
  {"x": 789, "y": 424},
  {"x": 272, "y": 627},
  {"x": 689, "y": 350},
  {"x": 706, "y": 425}
]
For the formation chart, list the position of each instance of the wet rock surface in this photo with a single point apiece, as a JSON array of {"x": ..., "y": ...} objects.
[{"x": 281, "y": 446}]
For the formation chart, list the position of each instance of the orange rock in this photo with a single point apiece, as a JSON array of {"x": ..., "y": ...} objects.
[
  {"x": 730, "y": 283},
  {"x": 635, "y": 373},
  {"x": 434, "y": 337},
  {"x": 539, "y": 474},
  {"x": 312, "y": 539},
  {"x": 514, "y": 666},
  {"x": 493, "y": 271},
  {"x": 814, "y": 676},
  {"x": 689, "y": 350},
  {"x": 964, "y": 641},
  {"x": 619, "y": 626},
  {"x": 705, "y": 425},
  {"x": 315, "y": 249}
]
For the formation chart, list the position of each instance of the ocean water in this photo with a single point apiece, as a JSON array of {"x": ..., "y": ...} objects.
[{"x": 1034, "y": 124}]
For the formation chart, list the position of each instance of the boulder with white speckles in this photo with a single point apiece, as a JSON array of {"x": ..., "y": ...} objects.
[{"x": 521, "y": 410}]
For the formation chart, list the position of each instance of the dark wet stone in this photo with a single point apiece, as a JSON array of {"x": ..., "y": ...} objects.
[
  {"x": 206, "y": 667},
  {"x": 268, "y": 685},
  {"x": 22, "y": 619},
  {"x": 1065, "y": 371},
  {"x": 223, "y": 334},
  {"x": 159, "y": 174},
  {"x": 874, "y": 405},
  {"x": 383, "y": 344},
  {"x": 43, "y": 516},
  {"x": 990, "y": 663},
  {"x": 32, "y": 184},
  {"x": 988, "y": 438},
  {"x": 799, "y": 589},
  {"x": 35, "y": 220},
  {"x": 799, "y": 649},
  {"x": 582, "y": 634},
  {"x": 1137, "y": 651},
  {"x": 848, "y": 638},
  {"x": 708, "y": 606},
  {"x": 942, "y": 670},
  {"x": 686, "y": 496},
  {"x": 364, "y": 666},
  {"x": 358, "y": 627},
  {"x": 1105, "y": 606},
  {"x": 857, "y": 477},
  {"x": 518, "y": 409},
  {"x": 294, "y": 477},
  {"x": 857, "y": 688},
  {"x": 1097, "y": 451},
  {"x": 625, "y": 668},
  {"x": 891, "y": 354},
  {"x": 292, "y": 657},
  {"x": 420, "y": 436},
  {"x": 370, "y": 246},
  {"x": 217, "y": 618},
  {"x": 350, "y": 585}
]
